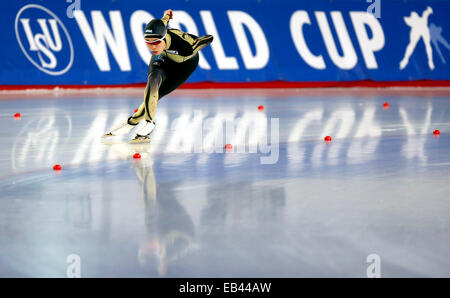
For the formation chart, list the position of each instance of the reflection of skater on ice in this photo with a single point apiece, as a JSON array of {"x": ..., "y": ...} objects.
[
  {"x": 170, "y": 231},
  {"x": 419, "y": 29},
  {"x": 436, "y": 38}
]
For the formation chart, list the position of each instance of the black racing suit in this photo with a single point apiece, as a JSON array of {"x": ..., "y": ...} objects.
[{"x": 170, "y": 69}]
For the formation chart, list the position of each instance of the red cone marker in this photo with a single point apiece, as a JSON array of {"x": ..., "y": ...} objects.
[
  {"x": 261, "y": 108},
  {"x": 327, "y": 139},
  {"x": 17, "y": 116},
  {"x": 386, "y": 105},
  {"x": 136, "y": 156},
  {"x": 57, "y": 167}
]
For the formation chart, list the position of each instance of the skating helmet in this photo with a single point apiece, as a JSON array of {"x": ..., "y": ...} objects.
[{"x": 155, "y": 29}]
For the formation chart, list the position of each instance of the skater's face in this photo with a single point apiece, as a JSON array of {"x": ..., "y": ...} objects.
[{"x": 155, "y": 45}]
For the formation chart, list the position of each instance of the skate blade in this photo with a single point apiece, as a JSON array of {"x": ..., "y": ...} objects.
[
  {"x": 106, "y": 135},
  {"x": 140, "y": 141}
]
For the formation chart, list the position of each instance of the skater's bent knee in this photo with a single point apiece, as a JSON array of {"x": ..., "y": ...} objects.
[{"x": 156, "y": 77}]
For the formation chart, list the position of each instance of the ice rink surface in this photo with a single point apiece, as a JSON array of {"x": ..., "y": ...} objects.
[{"x": 282, "y": 203}]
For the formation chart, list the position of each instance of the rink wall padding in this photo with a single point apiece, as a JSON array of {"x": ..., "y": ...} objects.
[
  {"x": 246, "y": 85},
  {"x": 257, "y": 43}
]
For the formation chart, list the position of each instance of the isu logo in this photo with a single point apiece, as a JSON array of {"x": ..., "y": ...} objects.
[{"x": 44, "y": 39}]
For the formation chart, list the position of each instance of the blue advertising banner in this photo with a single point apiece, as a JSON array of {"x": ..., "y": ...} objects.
[{"x": 81, "y": 42}]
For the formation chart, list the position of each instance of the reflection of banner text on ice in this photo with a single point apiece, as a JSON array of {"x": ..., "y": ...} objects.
[{"x": 181, "y": 136}]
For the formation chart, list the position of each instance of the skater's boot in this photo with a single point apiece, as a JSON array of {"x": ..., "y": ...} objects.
[
  {"x": 143, "y": 133},
  {"x": 120, "y": 129}
]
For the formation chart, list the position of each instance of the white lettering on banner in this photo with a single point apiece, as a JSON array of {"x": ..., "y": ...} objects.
[
  {"x": 46, "y": 43},
  {"x": 360, "y": 20},
  {"x": 349, "y": 58},
  {"x": 138, "y": 20},
  {"x": 223, "y": 62},
  {"x": 298, "y": 19},
  {"x": 102, "y": 35},
  {"x": 368, "y": 46},
  {"x": 45, "y": 36},
  {"x": 183, "y": 18},
  {"x": 42, "y": 45},
  {"x": 238, "y": 20},
  {"x": 29, "y": 34},
  {"x": 54, "y": 46}
]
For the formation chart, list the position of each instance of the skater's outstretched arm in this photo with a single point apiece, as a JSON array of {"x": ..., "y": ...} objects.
[
  {"x": 168, "y": 15},
  {"x": 202, "y": 42},
  {"x": 427, "y": 12},
  {"x": 189, "y": 43}
]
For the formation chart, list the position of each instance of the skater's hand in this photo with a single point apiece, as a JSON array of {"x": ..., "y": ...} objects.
[
  {"x": 430, "y": 9},
  {"x": 170, "y": 13}
]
